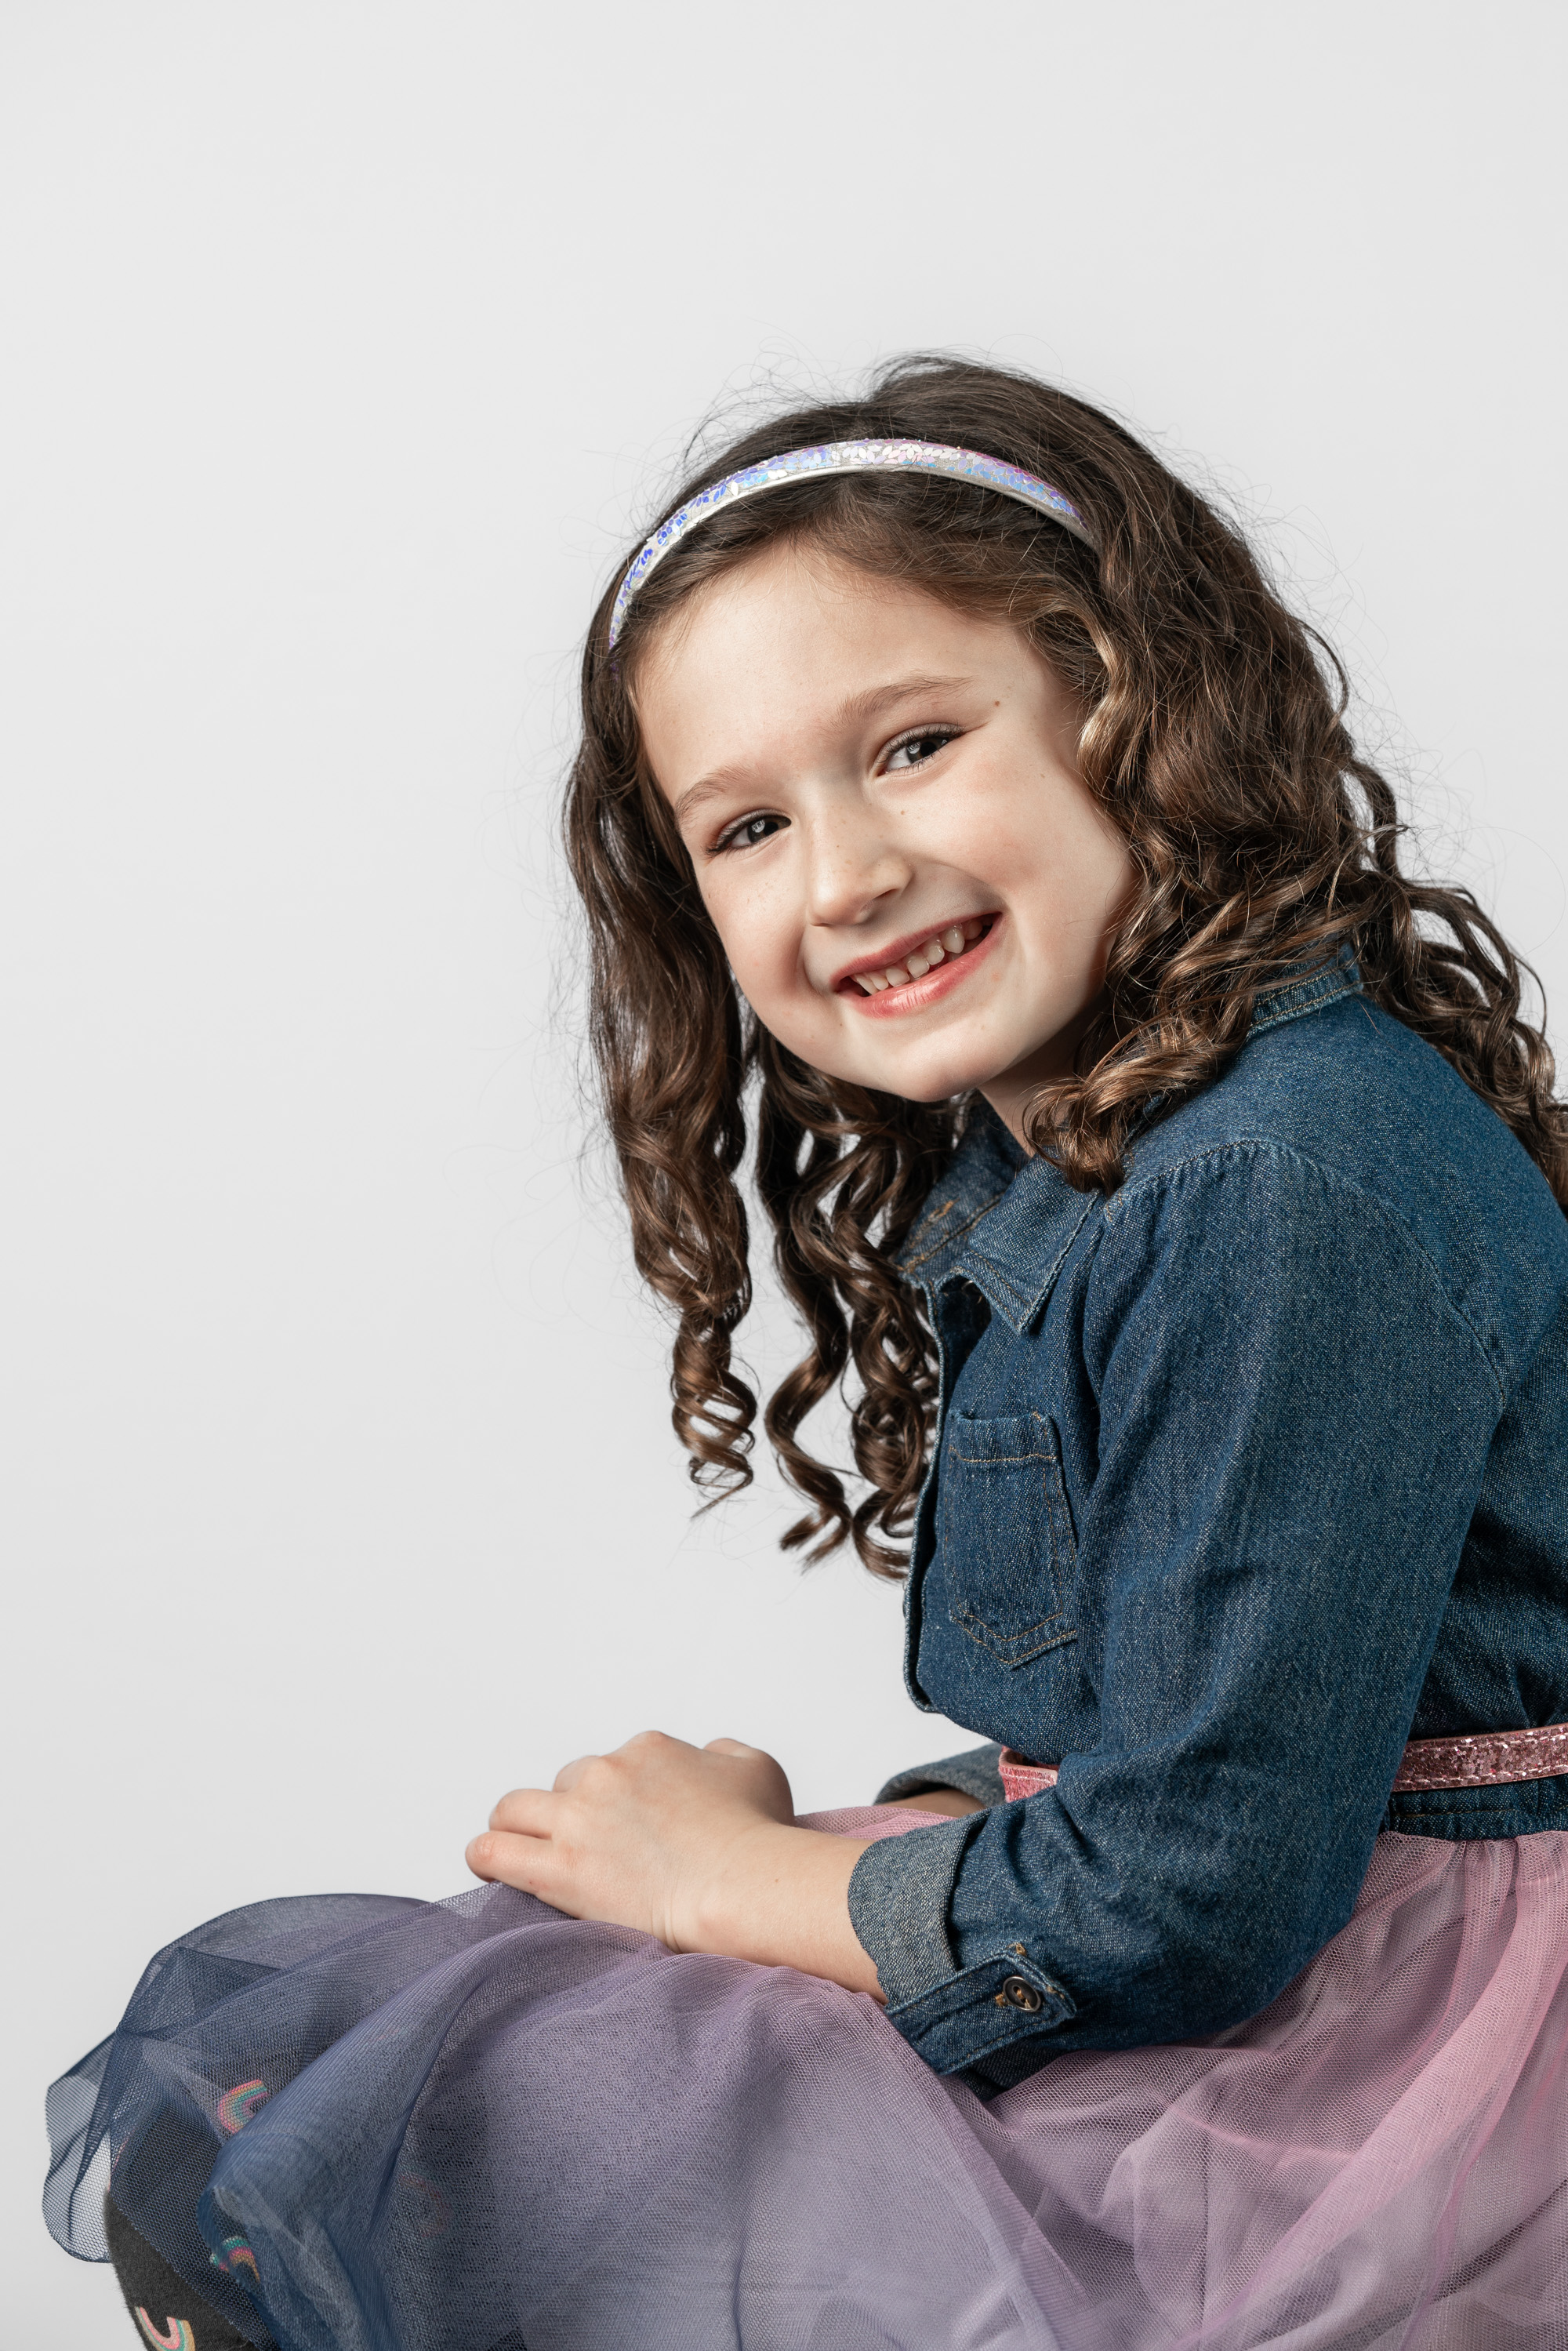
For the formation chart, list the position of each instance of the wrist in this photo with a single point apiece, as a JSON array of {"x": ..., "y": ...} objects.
[
  {"x": 734, "y": 1908},
  {"x": 780, "y": 1897}
]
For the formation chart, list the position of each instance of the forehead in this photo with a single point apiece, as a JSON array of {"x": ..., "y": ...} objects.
[{"x": 791, "y": 638}]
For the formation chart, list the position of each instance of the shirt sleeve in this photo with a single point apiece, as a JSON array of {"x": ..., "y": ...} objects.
[
  {"x": 975, "y": 1773},
  {"x": 1293, "y": 1424}
]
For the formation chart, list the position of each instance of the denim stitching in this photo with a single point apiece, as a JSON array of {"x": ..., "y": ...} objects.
[
  {"x": 1000, "y": 1644},
  {"x": 1029, "y": 1300},
  {"x": 1006, "y": 1646},
  {"x": 1327, "y": 988},
  {"x": 1253, "y": 1145},
  {"x": 910, "y": 1263}
]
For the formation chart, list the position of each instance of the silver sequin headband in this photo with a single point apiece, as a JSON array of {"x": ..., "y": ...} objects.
[{"x": 847, "y": 457}]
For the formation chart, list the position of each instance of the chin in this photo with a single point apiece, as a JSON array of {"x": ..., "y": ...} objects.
[
  {"x": 939, "y": 1079},
  {"x": 941, "y": 1084}
]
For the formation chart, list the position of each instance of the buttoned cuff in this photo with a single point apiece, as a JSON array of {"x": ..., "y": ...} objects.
[
  {"x": 973, "y": 1774},
  {"x": 990, "y": 2023},
  {"x": 985, "y": 2020}
]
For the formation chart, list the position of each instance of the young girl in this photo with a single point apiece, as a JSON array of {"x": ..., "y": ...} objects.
[{"x": 966, "y": 829}]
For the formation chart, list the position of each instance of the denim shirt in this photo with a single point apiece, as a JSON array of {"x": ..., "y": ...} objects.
[{"x": 1246, "y": 1474}]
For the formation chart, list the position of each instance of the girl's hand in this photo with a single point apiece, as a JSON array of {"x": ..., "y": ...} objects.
[
  {"x": 637, "y": 1836},
  {"x": 695, "y": 1845}
]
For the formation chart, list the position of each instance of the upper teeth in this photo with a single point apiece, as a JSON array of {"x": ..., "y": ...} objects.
[{"x": 952, "y": 941}]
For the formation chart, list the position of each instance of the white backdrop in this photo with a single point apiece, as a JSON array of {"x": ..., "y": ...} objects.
[{"x": 341, "y": 348}]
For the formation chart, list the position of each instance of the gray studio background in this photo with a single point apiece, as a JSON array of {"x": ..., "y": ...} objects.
[{"x": 340, "y": 348}]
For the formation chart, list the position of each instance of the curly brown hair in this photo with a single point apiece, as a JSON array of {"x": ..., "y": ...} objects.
[{"x": 1214, "y": 738}]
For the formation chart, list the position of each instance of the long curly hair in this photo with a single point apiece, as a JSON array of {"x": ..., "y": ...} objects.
[{"x": 1214, "y": 738}]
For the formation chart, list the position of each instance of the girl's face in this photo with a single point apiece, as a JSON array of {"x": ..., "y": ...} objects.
[{"x": 881, "y": 799}]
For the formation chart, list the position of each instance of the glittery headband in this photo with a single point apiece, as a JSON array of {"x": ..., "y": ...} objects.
[{"x": 846, "y": 457}]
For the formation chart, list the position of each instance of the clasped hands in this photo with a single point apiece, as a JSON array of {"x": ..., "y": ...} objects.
[{"x": 697, "y": 1845}]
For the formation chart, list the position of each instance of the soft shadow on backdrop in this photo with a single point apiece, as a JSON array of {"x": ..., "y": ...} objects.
[{"x": 340, "y": 346}]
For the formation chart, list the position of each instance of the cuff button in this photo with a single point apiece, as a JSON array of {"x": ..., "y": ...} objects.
[{"x": 1022, "y": 1995}]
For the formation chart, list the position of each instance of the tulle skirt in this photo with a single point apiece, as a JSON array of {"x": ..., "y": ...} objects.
[{"x": 478, "y": 2126}]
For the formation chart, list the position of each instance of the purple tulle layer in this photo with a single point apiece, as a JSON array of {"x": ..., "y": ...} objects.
[{"x": 478, "y": 2126}]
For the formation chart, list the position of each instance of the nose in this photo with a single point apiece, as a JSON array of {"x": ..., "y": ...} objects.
[{"x": 853, "y": 868}]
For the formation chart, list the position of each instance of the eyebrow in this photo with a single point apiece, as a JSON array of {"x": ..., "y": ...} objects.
[{"x": 869, "y": 702}]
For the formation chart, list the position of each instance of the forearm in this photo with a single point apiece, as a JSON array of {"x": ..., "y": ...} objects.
[{"x": 782, "y": 1900}]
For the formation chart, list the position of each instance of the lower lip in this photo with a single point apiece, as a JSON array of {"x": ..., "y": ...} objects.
[{"x": 889, "y": 1002}]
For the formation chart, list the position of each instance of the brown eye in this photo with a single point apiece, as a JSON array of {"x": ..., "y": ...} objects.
[
  {"x": 750, "y": 830},
  {"x": 915, "y": 749}
]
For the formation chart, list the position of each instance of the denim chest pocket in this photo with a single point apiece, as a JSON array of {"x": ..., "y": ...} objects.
[{"x": 1009, "y": 1554}]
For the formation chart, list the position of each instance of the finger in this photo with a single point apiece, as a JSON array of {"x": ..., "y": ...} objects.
[
  {"x": 570, "y": 1773},
  {"x": 505, "y": 1860},
  {"x": 729, "y": 1746},
  {"x": 525, "y": 1811}
]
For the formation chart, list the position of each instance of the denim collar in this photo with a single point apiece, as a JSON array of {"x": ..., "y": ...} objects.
[{"x": 1006, "y": 1221}]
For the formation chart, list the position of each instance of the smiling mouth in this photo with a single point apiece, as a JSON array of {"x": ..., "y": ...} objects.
[{"x": 948, "y": 945}]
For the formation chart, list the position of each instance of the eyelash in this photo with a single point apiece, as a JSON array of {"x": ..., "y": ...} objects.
[{"x": 940, "y": 736}]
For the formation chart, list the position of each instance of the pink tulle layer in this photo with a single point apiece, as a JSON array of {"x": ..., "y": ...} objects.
[{"x": 1379, "y": 2162}]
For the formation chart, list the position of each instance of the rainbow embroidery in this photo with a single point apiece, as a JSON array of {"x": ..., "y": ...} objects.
[
  {"x": 235, "y": 2254},
  {"x": 179, "y": 2338},
  {"x": 236, "y": 2107}
]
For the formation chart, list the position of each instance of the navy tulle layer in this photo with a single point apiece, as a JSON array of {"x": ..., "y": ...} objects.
[{"x": 478, "y": 2126}]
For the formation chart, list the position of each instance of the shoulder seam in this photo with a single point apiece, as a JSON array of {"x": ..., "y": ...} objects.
[{"x": 1251, "y": 1145}]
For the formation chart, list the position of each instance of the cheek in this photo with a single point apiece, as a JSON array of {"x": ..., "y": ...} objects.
[
  {"x": 1058, "y": 855},
  {"x": 1007, "y": 821},
  {"x": 755, "y": 934}
]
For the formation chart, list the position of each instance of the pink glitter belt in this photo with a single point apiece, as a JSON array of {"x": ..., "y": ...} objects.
[{"x": 1487, "y": 1758}]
